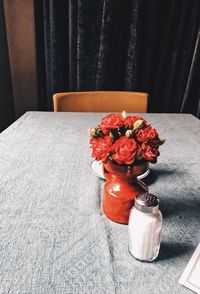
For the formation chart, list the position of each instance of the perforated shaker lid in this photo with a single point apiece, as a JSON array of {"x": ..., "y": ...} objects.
[{"x": 147, "y": 202}]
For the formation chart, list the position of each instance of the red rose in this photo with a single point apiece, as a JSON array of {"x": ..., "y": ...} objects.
[
  {"x": 130, "y": 120},
  {"x": 149, "y": 151},
  {"x": 112, "y": 121},
  {"x": 101, "y": 147},
  {"x": 124, "y": 150},
  {"x": 146, "y": 134}
]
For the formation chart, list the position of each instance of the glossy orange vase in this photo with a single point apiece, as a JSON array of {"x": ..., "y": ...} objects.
[{"x": 121, "y": 189}]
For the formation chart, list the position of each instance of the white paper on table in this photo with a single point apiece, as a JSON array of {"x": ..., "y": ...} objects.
[{"x": 191, "y": 275}]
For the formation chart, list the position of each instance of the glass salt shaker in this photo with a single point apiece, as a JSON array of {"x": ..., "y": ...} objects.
[{"x": 145, "y": 223}]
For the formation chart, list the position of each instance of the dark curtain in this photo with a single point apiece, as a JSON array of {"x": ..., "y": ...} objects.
[{"x": 131, "y": 45}]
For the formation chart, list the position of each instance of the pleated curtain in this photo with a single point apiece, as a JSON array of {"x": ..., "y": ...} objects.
[
  {"x": 150, "y": 46},
  {"x": 49, "y": 46}
]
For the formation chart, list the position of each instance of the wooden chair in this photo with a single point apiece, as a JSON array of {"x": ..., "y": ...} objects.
[{"x": 100, "y": 101}]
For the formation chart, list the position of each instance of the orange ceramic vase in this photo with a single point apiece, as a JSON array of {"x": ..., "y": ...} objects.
[{"x": 121, "y": 188}]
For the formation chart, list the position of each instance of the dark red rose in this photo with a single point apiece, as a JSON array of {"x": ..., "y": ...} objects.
[
  {"x": 130, "y": 120},
  {"x": 101, "y": 147},
  {"x": 112, "y": 121},
  {"x": 147, "y": 134},
  {"x": 149, "y": 151},
  {"x": 124, "y": 150},
  {"x": 157, "y": 141}
]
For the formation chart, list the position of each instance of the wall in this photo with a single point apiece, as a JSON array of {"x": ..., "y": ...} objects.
[
  {"x": 20, "y": 29},
  {"x": 6, "y": 102}
]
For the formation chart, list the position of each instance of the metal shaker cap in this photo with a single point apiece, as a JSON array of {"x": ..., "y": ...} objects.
[{"x": 147, "y": 203}]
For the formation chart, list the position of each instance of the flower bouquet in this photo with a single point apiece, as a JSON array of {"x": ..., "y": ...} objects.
[
  {"x": 124, "y": 140},
  {"x": 125, "y": 145}
]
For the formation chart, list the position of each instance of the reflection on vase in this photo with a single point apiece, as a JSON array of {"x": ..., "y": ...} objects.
[{"x": 121, "y": 188}]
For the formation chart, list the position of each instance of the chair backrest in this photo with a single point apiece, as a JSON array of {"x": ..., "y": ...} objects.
[{"x": 100, "y": 101}]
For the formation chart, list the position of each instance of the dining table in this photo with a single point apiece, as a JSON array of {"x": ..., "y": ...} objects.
[{"x": 54, "y": 236}]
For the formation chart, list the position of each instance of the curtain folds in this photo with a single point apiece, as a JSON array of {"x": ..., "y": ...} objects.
[
  {"x": 150, "y": 46},
  {"x": 169, "y": 32}
]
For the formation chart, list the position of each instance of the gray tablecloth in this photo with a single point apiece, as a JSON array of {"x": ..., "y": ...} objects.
[{"x": 54, "y": 237}]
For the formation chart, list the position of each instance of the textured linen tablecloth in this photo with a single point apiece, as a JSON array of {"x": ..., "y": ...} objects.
[{"x": 54, "y": 237}]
